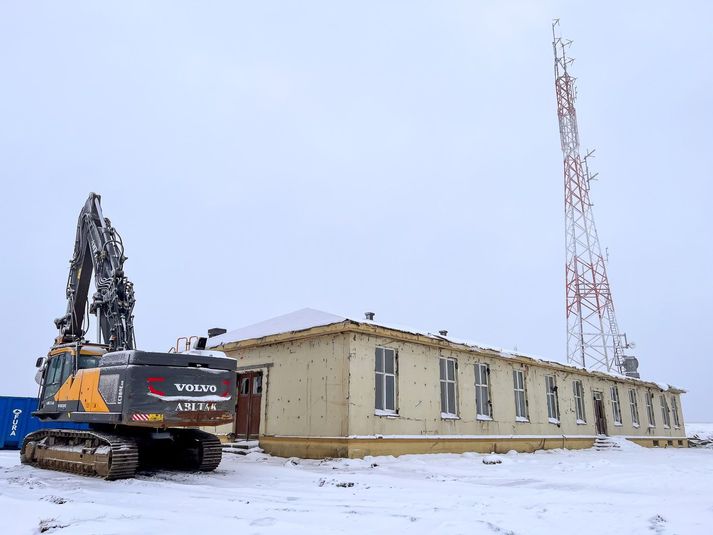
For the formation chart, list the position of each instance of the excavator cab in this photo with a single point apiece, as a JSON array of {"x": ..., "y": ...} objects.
[{"x": 57, "y": 373}]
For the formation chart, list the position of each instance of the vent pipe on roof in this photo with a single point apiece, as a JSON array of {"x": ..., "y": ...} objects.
[
  {"x": 631, "y": 366},
  {"x": 443, "y": 333},
  {"x": 216, "y": 331},
  {"x": 369, "y": 316}
]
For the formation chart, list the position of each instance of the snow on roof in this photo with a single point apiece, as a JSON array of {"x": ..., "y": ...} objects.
[
  {"x": 308, "y": 318},
  {"x": 299, "y": 320}
]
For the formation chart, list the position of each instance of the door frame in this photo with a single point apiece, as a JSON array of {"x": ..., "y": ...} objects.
[
  {"x": 600, "y": 415},
  {"x": 254, "y": 413}
]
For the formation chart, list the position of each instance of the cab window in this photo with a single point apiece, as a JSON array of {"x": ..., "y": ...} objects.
[
  {"x": 87, "y": 361},
  {"x": 54, "y": 371},
  {"x": 59, "y": 369}
]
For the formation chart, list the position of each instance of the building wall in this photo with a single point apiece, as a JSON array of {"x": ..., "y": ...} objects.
[
  {"x": 319, "y": 401},
  {"x": 304, "y": 386},
  {"x": 419, "y": 408}
]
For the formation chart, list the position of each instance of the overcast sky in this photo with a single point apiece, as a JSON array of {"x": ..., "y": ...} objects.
[{"x": 398, "y": 157}]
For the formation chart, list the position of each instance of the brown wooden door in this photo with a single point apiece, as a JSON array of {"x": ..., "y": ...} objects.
[
  {"x": 600, "y": 418},
  {"x": 247, "y": 411}
]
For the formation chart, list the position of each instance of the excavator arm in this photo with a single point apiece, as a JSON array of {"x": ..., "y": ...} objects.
[{"x": 98, "y": 250}]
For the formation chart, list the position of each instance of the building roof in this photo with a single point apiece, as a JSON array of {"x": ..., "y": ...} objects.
[
  {"x": 298, "y": 320},
  {"x": 310, "y": 318}
]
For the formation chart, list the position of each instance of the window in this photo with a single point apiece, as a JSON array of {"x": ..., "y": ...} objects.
[
  {"x": 385, "y": 368},
  {"x": 448, "y": 367},
  {"x": 674, "y": 409},
  {"x": 664, "y": 412},
  {"x": 59, "y": 369},
  {"x": 245, "y": 386},
  {"x": 483, "y": 406},
  {"x": 615, "y": 406},
  {"x": 650, "y": 408},
  {"x": 52, "y": 376},
  {"x": 87, "y": 361},
  {"x": 553, "y": 406},
  {"x": 257, "y": 384},
  {"x": 518, "y": 380},
  {"x": 579, "y": 402},
  {"x": 634, "y": 406}
]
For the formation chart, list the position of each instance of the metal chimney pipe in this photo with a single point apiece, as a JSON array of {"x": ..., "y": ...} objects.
[{"x": 216, "y": 331}]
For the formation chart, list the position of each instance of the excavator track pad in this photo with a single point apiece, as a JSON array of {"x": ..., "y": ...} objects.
[
  {"x": 117, "y": 456},
  {"x": 88, "y": 453}
]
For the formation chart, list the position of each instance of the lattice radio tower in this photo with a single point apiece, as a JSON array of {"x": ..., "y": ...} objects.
[{"x": 593, "y": 338}]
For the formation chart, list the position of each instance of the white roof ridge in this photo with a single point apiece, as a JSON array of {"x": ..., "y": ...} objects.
[
  {"x": 309, "y": 318},
  {"x": 297, "y": 320}
]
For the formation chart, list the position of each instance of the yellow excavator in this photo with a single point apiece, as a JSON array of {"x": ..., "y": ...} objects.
[{"x": 142, "y": 408}]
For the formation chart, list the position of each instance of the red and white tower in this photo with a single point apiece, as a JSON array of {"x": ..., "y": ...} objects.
[{"x": 593, "y": 338}]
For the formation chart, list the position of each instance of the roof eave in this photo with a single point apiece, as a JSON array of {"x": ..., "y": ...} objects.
[{"x": 349, "y": 325}]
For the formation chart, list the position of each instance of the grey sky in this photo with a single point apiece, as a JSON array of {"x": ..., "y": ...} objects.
[{"x": 400, "y": 157}]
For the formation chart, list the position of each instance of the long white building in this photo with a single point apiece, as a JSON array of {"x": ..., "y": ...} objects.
[{"x": 314, "y": 384}]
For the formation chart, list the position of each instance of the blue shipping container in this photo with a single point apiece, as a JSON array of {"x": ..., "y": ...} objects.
[{"x": 16, "y": 421}]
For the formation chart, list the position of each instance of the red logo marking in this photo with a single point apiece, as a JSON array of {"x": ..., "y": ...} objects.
[{"x": 155, "y": 380}]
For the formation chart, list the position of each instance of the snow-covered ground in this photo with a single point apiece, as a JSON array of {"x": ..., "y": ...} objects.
[
  {"x": 703, "y": 431},
  {"x": 633, "y": 490}
]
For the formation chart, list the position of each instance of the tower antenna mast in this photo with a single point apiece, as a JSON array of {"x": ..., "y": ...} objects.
[{"x": 593, "y": 338}]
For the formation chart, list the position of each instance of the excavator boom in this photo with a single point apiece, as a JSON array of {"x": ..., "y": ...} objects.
[{"x": 98, "y": 250}]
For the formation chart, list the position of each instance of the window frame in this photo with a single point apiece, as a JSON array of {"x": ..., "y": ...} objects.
[
  {"x": 479, "y": 388},
  {"x": 616, "y": 405},
  {"x": 257, "y": 384},
  {"x": 444, "y": 384},
  {"x": 61, "y": 366},
  {"x": 553, "y": 406},
  {"x": 650, "y": 412},
  {"x": 382, "y": 376},
  {"x": 523, "y": 391},
  {"x": 244, "y": 386},
  {"x": 674, "y": 409},
  {"x": 578, "y": 391},
  {"x": 634, "y": 408},
  {"x": 665, "y": 412}
]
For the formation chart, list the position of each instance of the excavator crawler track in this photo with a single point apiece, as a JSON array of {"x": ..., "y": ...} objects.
[
  {"x": 89, "y": 453},
  {"x": 191, "y": 450},
  {"x": 211, "y": 451},
  {"x": 113, "y": 456}
]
